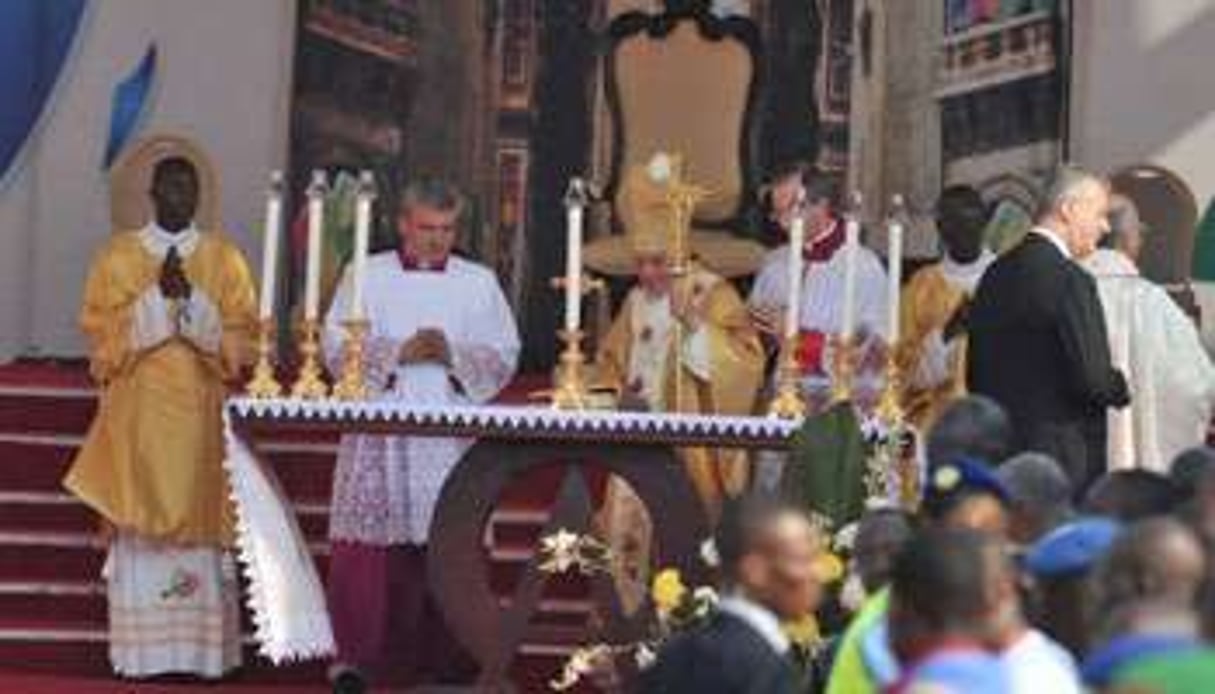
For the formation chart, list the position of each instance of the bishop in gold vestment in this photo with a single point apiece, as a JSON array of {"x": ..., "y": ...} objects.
[
  {"x": 932, "y": 349},
  {"x": 167, "y": 312},
  {"x": 682, "y": 342}
]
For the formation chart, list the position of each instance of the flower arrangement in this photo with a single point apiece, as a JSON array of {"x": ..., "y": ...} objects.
[
  {"x": 676, "y": 606},
  {"x": 892, "y": 462}
]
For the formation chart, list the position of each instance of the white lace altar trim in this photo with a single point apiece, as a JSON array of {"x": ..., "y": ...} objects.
[
  {"x": 479, "y": 420},
  {"x": 285, "y": 596}
]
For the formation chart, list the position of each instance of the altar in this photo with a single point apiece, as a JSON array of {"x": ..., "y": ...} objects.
[{"x": 286, "y": 596}]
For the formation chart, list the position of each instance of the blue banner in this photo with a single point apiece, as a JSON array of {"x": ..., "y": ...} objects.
[{"x": 36, "y": 37}]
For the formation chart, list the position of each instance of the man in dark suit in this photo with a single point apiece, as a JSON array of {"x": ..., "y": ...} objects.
[
  {"x": 1038, "y": 344},
  {"x": 767, "y": 553}
]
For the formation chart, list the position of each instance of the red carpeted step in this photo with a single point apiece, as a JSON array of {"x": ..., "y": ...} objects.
[
  {"x": 28, "y": 556},
  {"x": 79, "y": 603},
  {"x": 34, "y": 464},
  {"x": 45, "y": 413}
]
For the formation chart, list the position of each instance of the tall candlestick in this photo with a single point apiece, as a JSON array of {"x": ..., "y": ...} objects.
[
  {"x": 362, "y": 234},
  {"x": 852, "y": 246},
  {"x": 575, "y": 206},
  {"x": 270, "y": 236},
  {"x": 797, "y": 242},
  {"x": 316, "y": 221},
  {"x": 894, "y": 271}
]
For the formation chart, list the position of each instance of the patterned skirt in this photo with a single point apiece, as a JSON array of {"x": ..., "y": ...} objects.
[{"x": 173, "y": 609}]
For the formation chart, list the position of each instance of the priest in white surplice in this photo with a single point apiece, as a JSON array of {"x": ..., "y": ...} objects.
[
  {"x": 822, "y": 302},
  {"x": 441, "y": 333},
  {"x": 1153, "y": 342}
]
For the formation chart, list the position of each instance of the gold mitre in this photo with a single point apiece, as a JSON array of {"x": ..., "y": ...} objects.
[{"x": 655, "y": 206}]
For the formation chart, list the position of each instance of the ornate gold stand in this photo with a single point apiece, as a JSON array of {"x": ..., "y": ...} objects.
[
  {"x": 843, "y": 368},
  {"x": 351, "y": 385},
  {"x": 788, "y": 403},
  {"x": 570, "y": 392},
  {"x": 264, "y": 385},
  {"x": 889, "y": 408},
  {"x": 309, "y": 385}
]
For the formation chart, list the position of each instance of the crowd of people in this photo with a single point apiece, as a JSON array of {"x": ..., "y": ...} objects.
[{"x": 1006, "y": 579}]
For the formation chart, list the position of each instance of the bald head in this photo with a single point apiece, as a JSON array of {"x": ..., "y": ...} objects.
[
  {"x": 1075, "y": 206},
  {"x": 1159, "y": 559}
]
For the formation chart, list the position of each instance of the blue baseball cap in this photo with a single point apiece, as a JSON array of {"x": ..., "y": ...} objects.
[{"x": 1072, "y": 547}]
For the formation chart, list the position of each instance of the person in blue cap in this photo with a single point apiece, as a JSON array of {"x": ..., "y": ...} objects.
[
  {"x": 1059, "y": 565},
  {"x": 961, "y": 494}
]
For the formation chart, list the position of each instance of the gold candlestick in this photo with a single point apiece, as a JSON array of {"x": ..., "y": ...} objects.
[
  {"x": 890, "y": 407},
  {"x": 788, "y": 402},
  {"x": 570, "y": 392},
  {"x": 843, "y": 368},
  {"x": 351, "y": 384},
  {"x": 264, "y": 385},
  {"x": 308, "y": 384}
]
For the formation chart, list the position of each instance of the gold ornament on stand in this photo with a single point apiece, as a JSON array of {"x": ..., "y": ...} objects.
[
  {"x": 571, "y": 392},
  {"x": 351, "y": 383},
  {"x": 264, "y": 385},
  {"x": 309, "y": 385},
  {"x": 788, "y": 403},
  {"x": 843, "y": 360}
]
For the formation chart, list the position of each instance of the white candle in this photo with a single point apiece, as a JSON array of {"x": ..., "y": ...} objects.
[
  {"x": 362, "y": 234},
  {"x": 894, "y": 271},
  {"x": 316, "y": 219},
  {"x": 574, "y": 208},
  {"x": 852, "y": 243},
  {"x": 797, "y": 243},
  {"x": 270, "y": 236}
]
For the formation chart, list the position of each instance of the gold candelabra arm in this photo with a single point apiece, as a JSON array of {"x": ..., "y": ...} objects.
[
  {"x": 352, "y": 382},
  {"x": 308, "y": 384},
  {"x": 890, "y": 405},
  {"x": 263, "y": 385},
  {"x": 570, "y": 392},
  {"x": 788, "y": 402},
  {"x": 843, "y": 359}
]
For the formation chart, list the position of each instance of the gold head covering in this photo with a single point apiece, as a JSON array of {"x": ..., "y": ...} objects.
[
  {"x": 131, "y": 179},
  {"x": 655, "y": 206}
]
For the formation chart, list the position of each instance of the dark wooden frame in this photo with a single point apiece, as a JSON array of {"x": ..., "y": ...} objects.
[{"x": 712, "y": 28}]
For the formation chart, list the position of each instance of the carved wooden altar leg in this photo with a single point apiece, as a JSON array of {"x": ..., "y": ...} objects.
[{"x": 459, "y": 571}]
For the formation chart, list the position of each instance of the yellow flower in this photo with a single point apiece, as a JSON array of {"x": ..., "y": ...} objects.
[
  {"x": 667, "y": 591},
  {"x": 803, "y": 632},
  {"x": 829, "y": 567}
]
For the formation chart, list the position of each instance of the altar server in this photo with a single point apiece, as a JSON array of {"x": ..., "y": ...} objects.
[
  {"x": 932, "y": 351},
  {"x": 821, "y": 310},
  {"x": 441, "y": 333},
  {"x": 167, "y": 312}
]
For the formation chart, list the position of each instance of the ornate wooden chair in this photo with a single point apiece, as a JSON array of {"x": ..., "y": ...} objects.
[{"x": 686, "y": 82}]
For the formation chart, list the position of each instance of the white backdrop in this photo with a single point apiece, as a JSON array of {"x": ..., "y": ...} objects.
[{"x": 223, "y": 79}]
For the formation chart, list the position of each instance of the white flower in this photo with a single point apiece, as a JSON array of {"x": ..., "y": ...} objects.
[
  {"x": 845, "y": 539},
  {"x": 581, "y": 663},
  {"x": 709, "y": 555},
  {"x": 659, "y": 168},
  {"x": 560, "y": 551},
  {"x": 705, "y": 594},
  {"x": 644, "y": 657}
]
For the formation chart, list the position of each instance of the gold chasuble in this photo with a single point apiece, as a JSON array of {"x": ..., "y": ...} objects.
[
  {"x": 718, "y": 370},
  {"x": 934, "y": 370},
  {"x": 152, "y": 461}
]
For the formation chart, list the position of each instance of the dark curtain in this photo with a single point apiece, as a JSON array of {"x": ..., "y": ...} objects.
[
  {"x": 792, "y": 45},
  {"x": 560, "y": 144}
]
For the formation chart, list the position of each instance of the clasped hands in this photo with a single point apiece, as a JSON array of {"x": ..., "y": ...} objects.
[
  {"x": 428, "y": 345},
  {"x": 173, "y": 281}
]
